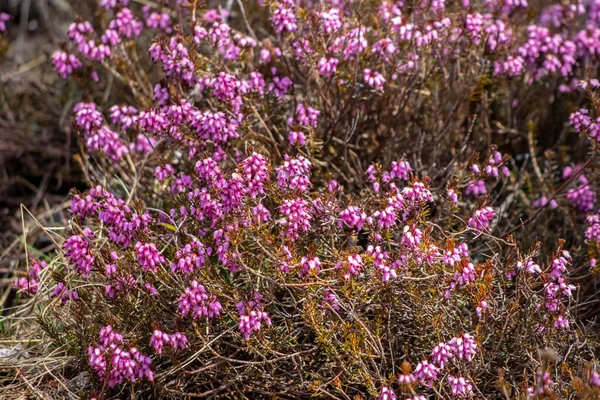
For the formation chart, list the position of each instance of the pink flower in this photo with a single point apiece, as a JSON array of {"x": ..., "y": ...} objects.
[
  {"x": 330, "y": 299},
  {"x": 426, "y": 373},
  {"x": 77, "y": 250},
  {"x": 191, "y": 257},
  {"x": 27, "y": 285},
  {"x": 463, "y": 347},
  {"x": 483, "y": 305},
  {"x": 328, "y": 66},
  {"x": 476, "y": 188},
  {"x": 406, "y": 379},
  {"x": 543, "y": 384},
  {"x": 386, "y": 218},
  {"x": 352, "y": 266},
  {"x": 297, "y": 217},
  {"x": 261, "y": 214},
  {"x": 161, "y": 94},
  {"x": 163, "y": 172},
  {"x": 283, "y": 18},
  {"x": 352, "y": 217},
  {"x": 265, "y": 56},
  {"x": 252, "y": 315},
  {"x": 110, "y": 4},
  {"x": 452, "y": 196},
  {"x": 3, "y": 19},
  {"x": 113, "y": 364},
  {"x": 148, "y": 256},
  {"x": 412, "y": 236},
  {"x": 542, "y": 201},
  {"x": 387, "y": 394},
  {"x": 124, "y": 116},
  {"x": 126, "y": 24},
  {"x": 160, "y": 21},
  {"x": 199, "y": 34},
  {"x": 297, "y": 138},
  {"x": 399, "y": 169},
  {"x": 481, "y": 218},
  {"x": 64, "y": 293},
  {"x": 307, "y": 116},
  {"x": 198, "y": 303},
  {"x": 294, "y": 173},
  {"x": 176, "y": 340},
  {"x": 460, "y": 387},
  {"x": 580, "y": 120},
  {"x": 279, "y": 85},
  {"x": 374, "y": 79},
  {"x": 309, "y": 266},
  {"x": 331, "y": 20},
  {"x": 255, "y": 173},
  {"x": 441, "y": 354},
  {"x": 65, "y": 63},
  {"x": 594, "y": 379},
  {"x": 464, "y": 276}
]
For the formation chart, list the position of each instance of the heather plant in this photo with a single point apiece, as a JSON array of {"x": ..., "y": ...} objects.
[{"x": 326, "y": 199}]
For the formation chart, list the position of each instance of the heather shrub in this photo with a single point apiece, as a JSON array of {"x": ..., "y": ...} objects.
[{"x": 325, "y": 199}]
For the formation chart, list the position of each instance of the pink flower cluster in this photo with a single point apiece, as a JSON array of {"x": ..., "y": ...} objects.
[
  {"x": 255, "y": 173},
  {"x": 460, "y": 387},
  {"x": 125, "y": 116},
  {"x": 426, "y": 373},
  {"x": 557, "y": 288},
  {"x": 198, "y": 303},
  {"x": 294, "y": 174},
  {"x": 124, "y": 25},
  {"x": 252, "y": 315},
  {"x": 192, "y": 256},
  {"x": 543, "y": 200},
  {"x": 353, "y": 217},
  {"x": 156, "y": 20},
  {"x": 481, "y": 218},
  {"x": 122, "y": 221},
  {"x": 297, "y": 217},
  {"x": 374, "y": 79},
  {"x": 593, "y": 230},
  {"x": 121, "y": 284},
  {"x": 387, "y": 394},
  {"x": 583, "y": 197},
  {"x": 351, "y": 266},
  {"x": 113, "y": 364},
  {"x": 65, "y": 63},
  {"x": 65, "y": 294},
  {"x": 176, "y": 340},
  {"x": 398, "y": 170},
  {"x": 4, "y": 18},
  {"x": 29, "y": 284},
  {"x": 382, "y": 264},
  {"x": 476, "y": 188},
  {"x": 495, "y": 163},
  {"x": 464, "y": 276},
  {"x": 148, "y": 256},
  {"x": 96, "y": 135},
  {"x": 542, "y": 385},
  {"x": 309, "y": 266},
  {"x": 175, "y": 60},
  {"x": 283, "y": 18},
  {"x": 330, "y": 299},
  {"x": 80, "y": 256},
  {"x": 455, "y": 253},
  {"x": 306, "y": 116},
  {"x": 462, "y": 347}
]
